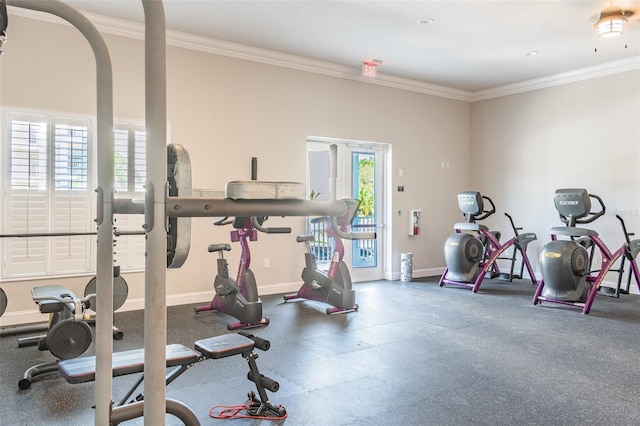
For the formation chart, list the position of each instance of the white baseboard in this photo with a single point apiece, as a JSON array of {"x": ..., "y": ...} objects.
[
  {"x": 280, "y": 288},
  {"x": 417, "y": 273}
]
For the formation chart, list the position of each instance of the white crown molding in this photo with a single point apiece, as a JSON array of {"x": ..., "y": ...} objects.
[
  {"x": 581, "y": 74},
  {"x": 178, "y": 39},
  {"x": 269, "y": 57}
]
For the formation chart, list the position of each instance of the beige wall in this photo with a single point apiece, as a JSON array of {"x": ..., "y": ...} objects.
[
  {"x": 584, "y": 134},
  {"x": 226, "y": 111}
]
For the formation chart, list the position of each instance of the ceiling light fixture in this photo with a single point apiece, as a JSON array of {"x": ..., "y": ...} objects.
[
  {"x": 611, "y": 22},
  {"x": 426, "y": 21}
]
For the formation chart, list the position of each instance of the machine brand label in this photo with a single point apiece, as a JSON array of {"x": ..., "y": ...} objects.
[
  {"x": 452, "y": 243},
  {"x": 552, "y": 254},
  {"x": 568, "y": 203}
]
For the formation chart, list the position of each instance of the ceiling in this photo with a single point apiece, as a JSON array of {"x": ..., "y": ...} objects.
[{"x": 470, "y": 45}]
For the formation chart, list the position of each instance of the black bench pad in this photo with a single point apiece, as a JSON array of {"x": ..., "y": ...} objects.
[
  {"x": 81, "y": 370},
  {"x": 224, "y": 345}
]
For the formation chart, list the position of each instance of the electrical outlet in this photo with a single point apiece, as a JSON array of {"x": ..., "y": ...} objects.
[
  {"x": 401, "y": 188},
  {"x": 266, "y": 263}
]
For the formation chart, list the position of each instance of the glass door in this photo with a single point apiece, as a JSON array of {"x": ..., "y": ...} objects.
[
  {"x": 360, "y": 175},
  {"x": 364, "y": 253}
]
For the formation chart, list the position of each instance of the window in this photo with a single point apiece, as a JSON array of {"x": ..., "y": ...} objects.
[
  {"x": 129, "y": 177},
  {"x": 48, "y": 160},
  {"x": 129, "y": 161}
]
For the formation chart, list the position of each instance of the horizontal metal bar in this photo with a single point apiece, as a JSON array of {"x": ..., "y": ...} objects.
[
  {"x": 23, "y": 329},
  {"x": 116, "y": 232},
  {"x": 47, "y": 234},
  {"x": 212, "y": 207}
]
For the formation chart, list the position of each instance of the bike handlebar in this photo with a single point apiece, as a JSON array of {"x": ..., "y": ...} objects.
[
  {"x": 255, "y": 223},
  {"x": 269, "y": 230},
  {"x": 351, "y": 235},
  {"x": 223, "y": 221}
]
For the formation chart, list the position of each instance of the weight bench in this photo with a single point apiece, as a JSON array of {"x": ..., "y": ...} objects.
[{"x": 181, "y": 358}]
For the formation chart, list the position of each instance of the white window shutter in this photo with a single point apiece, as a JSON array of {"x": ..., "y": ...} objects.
[
  {"x": 25, "y": 212},
  {"x": 71, "y": 212},
  {"x": 50, "y": 174}
]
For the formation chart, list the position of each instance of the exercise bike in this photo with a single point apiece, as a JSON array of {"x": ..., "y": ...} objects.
[
  {"x": 334, "y": 286},
  {"x": 239, "y": 297},
  {"x": 471, "y": 253},
  {"x": 567, "y": 277}
]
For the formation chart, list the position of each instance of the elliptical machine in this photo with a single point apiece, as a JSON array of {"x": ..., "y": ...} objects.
[
  {"x": 567, "y": 277},
  {"x": 239, "y": 297},
  {"x": 334, "y": 286},
  {"x": 471, "y": 253}
]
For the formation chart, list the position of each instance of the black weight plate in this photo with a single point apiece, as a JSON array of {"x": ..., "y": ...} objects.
[
  {"x": 120, "y": 292},
  {"x": 3, "y": 301},
  {"x": 69, "y": 339},
  {"x": 179, "y": 183}
]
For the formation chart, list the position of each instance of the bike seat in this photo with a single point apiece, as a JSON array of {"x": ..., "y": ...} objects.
[
  {"x": 572, "y": 231},
  {"x": 217, "y": 247}
]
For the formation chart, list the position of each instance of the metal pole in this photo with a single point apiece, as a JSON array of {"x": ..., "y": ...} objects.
[
  {"x": 333, "y": 170},
  {"x": 155, "y": 313},
  {"x": 104, "y": 266}
]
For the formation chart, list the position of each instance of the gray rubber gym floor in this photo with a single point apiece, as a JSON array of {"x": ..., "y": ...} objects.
[{"x": 414, "y": 354}]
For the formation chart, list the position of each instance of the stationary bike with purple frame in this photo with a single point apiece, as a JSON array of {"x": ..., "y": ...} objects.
[
  {"x": 334, "y": 286},
  {"x": 239, "y": 297}
]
